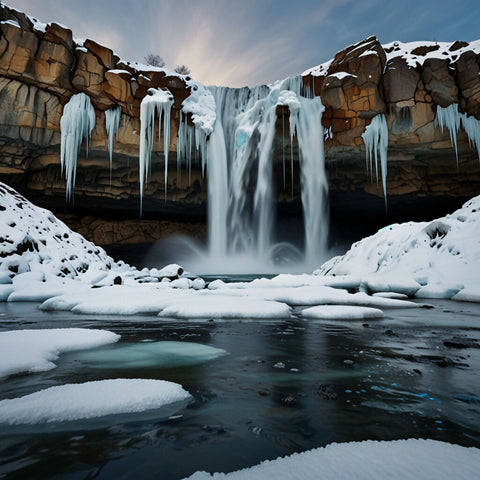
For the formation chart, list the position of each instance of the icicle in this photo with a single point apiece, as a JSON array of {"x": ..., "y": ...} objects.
[
  {"x": 283, "y": 149},
  {"x": 77, "y": 123},
  {"x": 112, "y": 122},
  {"x": 162, "y": 101},
  {"x": 472, "y": 128},
  {"x": 449, "y": 117},
  {"x": 375, "y": 138}
]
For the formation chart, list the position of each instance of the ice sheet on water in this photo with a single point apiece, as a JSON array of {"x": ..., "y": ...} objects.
[
  {"x": 163, "y": 354},
  {"x": 341, "y": 312},
  {"x": 35, "y": 350},
  {"x": 368, "y": 460},
  {"x": 222, "y": 306},
  {"x": 91, "y": 400}
]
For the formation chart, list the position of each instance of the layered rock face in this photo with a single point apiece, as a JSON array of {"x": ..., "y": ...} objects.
[{"x": 41, "y": 67}]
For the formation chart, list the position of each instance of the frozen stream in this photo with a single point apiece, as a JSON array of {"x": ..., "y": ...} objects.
[{"x": 400, "y": 377}]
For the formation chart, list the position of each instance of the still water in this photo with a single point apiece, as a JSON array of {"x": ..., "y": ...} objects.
[{"x": 415, "y": 373}]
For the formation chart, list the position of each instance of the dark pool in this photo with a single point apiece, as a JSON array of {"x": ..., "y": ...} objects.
[{"x": 414, "y": 374}]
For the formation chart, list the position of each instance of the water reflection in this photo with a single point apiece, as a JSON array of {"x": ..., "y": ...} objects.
[{"x": 395, "y": 378}]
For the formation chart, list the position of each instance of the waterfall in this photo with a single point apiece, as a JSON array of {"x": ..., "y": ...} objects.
[{"x": 241, "y": 170}]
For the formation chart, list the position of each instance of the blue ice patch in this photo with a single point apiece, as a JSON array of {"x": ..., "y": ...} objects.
[{"x": 241, "y": 139}]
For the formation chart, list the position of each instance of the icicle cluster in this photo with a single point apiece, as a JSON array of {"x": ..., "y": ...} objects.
[
  {"x": 375, "y": 138},
  {"x": 112, "y": 122},
  {"x": 451, "y": 118},
  {"x": 156, "y": 103},
  {"x": 76, "y": 124}
]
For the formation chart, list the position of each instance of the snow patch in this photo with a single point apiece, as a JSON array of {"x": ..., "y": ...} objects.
[
  {"x": 91, "y": 400},
  {"x": 367, "y": 460},
  {"x": 35, "y": 350}
]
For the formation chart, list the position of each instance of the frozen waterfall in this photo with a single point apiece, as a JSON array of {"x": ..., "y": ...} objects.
[
  {"x": 451, "y": 118},
  {"x": 76, "y": 124},
  {"x": 156, "y": 103},
  {"x": 112, "y": 122},
  {"x": 375, "y": 138}
]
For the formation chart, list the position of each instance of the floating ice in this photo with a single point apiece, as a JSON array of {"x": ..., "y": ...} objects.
[
  {"x": 207, "y": 306},
  {"x": 368, "y": 460},
  {"x": 92, "y": 400},
  {"x": 112, "y": 122},
  {"x": 162, "y": 354},
  {"x": 340, "y": 312},
  {"x": 35, "y": 350},
  {"x": 375, "y": 138},
  {"x": 76, "y": 124}
]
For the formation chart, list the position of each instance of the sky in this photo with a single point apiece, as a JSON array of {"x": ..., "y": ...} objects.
[{"x": 250, "y": 42}]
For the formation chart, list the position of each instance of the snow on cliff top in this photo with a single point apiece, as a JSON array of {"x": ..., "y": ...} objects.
[
  {"x": 441, "y": 257},
  {"x": 426, "y": 50},
  {"x": 441, "y": 50}
]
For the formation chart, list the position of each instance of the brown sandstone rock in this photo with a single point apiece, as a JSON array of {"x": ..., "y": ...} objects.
[
  {"x": 468, "y": 78},
  {"x": 400, "y": 81},
  {"x": 103, "y": 53},
  {"x": 439, "y": 82}
]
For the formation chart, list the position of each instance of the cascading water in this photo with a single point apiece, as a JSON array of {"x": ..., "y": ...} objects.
[{"x": 241, "y": 169}]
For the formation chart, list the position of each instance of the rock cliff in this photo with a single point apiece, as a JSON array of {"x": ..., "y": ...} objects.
[{"x": 42, "y": 66}]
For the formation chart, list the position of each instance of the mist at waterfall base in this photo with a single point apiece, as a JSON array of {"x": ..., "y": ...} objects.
[{"x": 244, "y": 159}]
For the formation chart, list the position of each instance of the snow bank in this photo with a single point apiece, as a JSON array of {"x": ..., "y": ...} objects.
[
  {"x": 40, "y": 257},
  {"x": 35, "y": 350},
  {"x": 91, "y": 400},
  {"x": 368, "y": 460},
  {"x": 437, "y": 259}
]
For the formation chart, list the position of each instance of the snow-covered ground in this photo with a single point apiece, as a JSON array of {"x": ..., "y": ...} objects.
[
  {"x": 369, "y": 460},
  {"x": 438, "y": 259},
  {"x": 42, "y": 260},
  {"x": 91, "y": 400}
]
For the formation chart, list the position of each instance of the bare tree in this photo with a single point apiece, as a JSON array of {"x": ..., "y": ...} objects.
[
  {"x": 182, "y": 69},
  {"x": 154, "y": 60}
]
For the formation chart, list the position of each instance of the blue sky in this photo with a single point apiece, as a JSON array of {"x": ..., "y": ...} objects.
[{"x": 249, "y": 42}]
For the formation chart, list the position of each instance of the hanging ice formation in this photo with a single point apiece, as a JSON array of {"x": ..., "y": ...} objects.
[
  {"x": 156, "y": 103},
  {"x": 451, "y": 118},
  {"x": 375, "y": 138},
  {"x": 112, "y": 122},
  {"x": 77, "y": 123}
]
